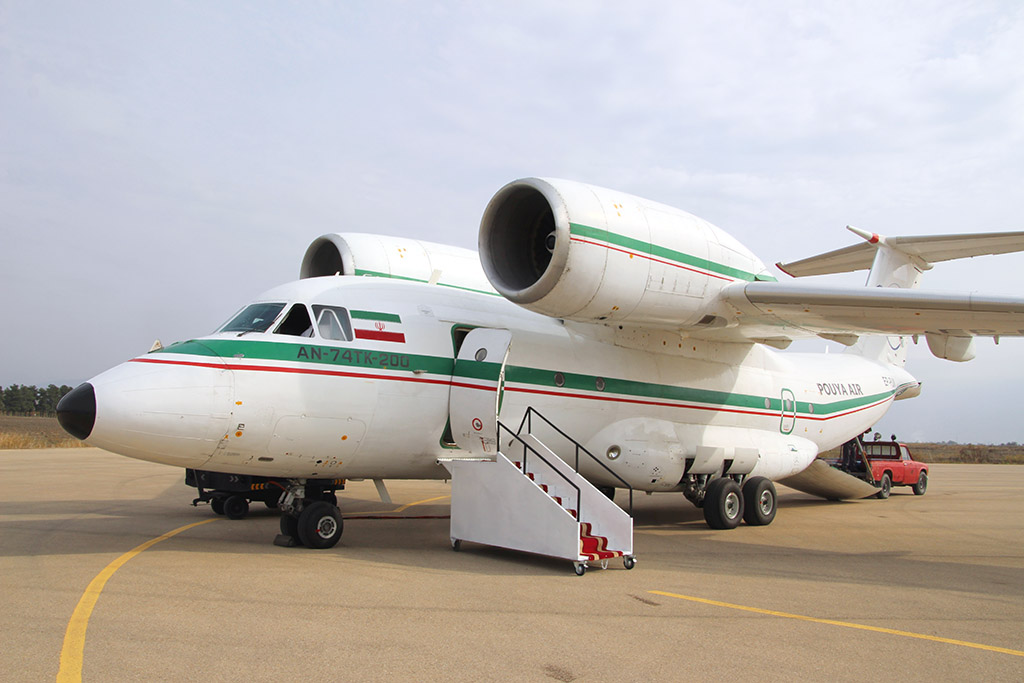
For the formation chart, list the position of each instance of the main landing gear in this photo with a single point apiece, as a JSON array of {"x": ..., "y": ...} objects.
[
  {"x": 309, "y": 517},
  {"x": 726, "y": 503}
]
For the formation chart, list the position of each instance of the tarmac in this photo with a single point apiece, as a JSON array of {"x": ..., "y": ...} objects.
[{"x": 914, "y": 587}]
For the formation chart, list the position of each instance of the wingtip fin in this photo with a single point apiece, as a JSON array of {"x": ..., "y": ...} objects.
[{"x": 869, "y": 237}]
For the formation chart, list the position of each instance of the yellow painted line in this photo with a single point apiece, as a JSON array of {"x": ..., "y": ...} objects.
[
  {"x": 421, "y": 502},
  {"x": 399, "y": 509},
  {"x": 74, "y": 637},
  {"x": 833, "y": 622}
]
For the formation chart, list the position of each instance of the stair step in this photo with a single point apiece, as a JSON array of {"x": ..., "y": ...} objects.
[{"x": 595, "y": 547}]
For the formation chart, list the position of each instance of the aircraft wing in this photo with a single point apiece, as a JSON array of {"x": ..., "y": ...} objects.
[{"x": 787, "y": 307}]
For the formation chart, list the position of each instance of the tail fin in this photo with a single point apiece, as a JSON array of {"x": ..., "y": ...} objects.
[
  {"x": 891, "y": 267},
  {"x": 900, "y": 262}
]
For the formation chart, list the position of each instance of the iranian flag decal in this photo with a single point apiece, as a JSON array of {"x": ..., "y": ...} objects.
[{"x": 377, "y": 326}]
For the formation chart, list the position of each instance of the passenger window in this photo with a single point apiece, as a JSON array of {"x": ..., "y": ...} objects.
[
  {"x": 296, "y": 323},
  {"x": 253, "y": 318},
  {"x": 333, "y": 322}
]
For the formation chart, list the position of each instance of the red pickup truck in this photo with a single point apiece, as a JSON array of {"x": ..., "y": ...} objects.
[{"x": 884, "y": 464}]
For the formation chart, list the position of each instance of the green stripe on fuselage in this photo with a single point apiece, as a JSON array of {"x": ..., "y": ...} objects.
[{"x": 239, "y": 350}]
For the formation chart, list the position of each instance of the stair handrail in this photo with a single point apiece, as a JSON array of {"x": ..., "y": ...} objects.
[
  {"x": 528, "y": 422},
  {"x": 528, "y": 448}
]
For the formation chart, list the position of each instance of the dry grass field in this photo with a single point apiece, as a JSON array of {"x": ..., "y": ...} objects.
[
  {"x": 44, "y": 432},
  {"x": 34, "y": 432}
]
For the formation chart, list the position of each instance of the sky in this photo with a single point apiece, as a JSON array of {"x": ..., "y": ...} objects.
[{"x": 163, "y": 163}]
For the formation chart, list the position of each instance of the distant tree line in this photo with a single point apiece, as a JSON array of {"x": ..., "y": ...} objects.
[{"x": 24, "y": 399}]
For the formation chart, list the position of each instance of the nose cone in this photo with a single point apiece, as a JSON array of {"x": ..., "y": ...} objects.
[
  {"x": 76, "y": 412},
  {"x": 169, "y": 408}
]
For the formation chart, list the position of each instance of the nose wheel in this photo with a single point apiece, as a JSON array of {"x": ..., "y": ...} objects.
[{"x": 315, "y": 524}]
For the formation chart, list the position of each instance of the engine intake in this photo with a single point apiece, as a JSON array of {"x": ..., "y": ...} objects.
[{"x": 519, "y": 241}]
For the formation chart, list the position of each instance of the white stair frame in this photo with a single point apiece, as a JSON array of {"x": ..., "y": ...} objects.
[
  {"x": 605, "y": 517},
  {"x": 497, "y": 504}
]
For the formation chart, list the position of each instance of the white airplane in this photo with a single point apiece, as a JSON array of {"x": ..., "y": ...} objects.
[{"x": 638, "y": 343}]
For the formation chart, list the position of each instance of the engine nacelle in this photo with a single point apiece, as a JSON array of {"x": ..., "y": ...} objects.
[
  {"x": 401, "y": 258},
  {"x": 589, "y": 254}
]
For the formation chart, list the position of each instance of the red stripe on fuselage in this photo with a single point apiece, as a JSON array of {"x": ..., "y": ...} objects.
[{"x": 522, "y": 390}]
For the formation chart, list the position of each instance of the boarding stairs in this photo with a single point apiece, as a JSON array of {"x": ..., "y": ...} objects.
[{"x": 526, "y": 498}]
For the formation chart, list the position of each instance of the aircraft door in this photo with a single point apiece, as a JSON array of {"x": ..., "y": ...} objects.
[
  {"x": 477, "y": 384},
  {"x": 788, "y": 412}
]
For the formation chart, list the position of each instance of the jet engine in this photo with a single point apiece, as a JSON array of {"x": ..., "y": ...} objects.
[
  {"x": 584, "y": 253},
  {"x": 401, "y": 258}
]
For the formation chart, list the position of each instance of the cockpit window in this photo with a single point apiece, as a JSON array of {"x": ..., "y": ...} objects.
[
  {"x": 333, "y": 322},
  {"x": 253, "y": 318},
  {"x": 296, "y": 323}
]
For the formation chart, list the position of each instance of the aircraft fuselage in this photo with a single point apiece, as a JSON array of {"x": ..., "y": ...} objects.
[{"x": 409, "y": 383}]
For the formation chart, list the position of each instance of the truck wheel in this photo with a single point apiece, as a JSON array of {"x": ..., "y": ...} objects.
[
  {"x": 236, "y": 507},
  {"x": 723, "y": 504},
  {"x": 886, "y": 488},
  {"x": 217, "y": 505},
  {"x": 759, "y": 501},
  {"x": 922, "y": 484}
]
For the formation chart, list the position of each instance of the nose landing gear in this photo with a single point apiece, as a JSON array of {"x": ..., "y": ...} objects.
[{"x": 309, "y": 517}]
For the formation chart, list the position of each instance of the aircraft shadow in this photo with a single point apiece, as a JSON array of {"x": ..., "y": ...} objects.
[{"x": 670, "y": 536}]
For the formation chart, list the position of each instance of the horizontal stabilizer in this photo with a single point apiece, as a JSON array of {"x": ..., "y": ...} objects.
[
  {"x": 928, "y": 248},
  {"x": 825, "y": 481}
]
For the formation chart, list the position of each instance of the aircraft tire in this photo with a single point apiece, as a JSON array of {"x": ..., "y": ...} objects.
[
  {"x": 217, "y": 505},
  {"x": 922, "y": 484},
  {"x": 235, "y": 507},
  {"x": 886, "y": 487},
  {"x": 608, "y": 491},
  {"x": 760, "y": 501},
  {"x": 723, "y": 504},
  {"x": 320, "y": 525}
]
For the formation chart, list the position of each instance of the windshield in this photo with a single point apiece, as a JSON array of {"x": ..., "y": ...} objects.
[{"x": 253, "y": 318}]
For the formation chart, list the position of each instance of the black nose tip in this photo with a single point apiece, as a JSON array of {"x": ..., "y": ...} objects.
[{"x": 76, "y": 412}]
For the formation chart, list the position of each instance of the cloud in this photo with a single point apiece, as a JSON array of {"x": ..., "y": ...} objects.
[{"x": 178, "y": 158}]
